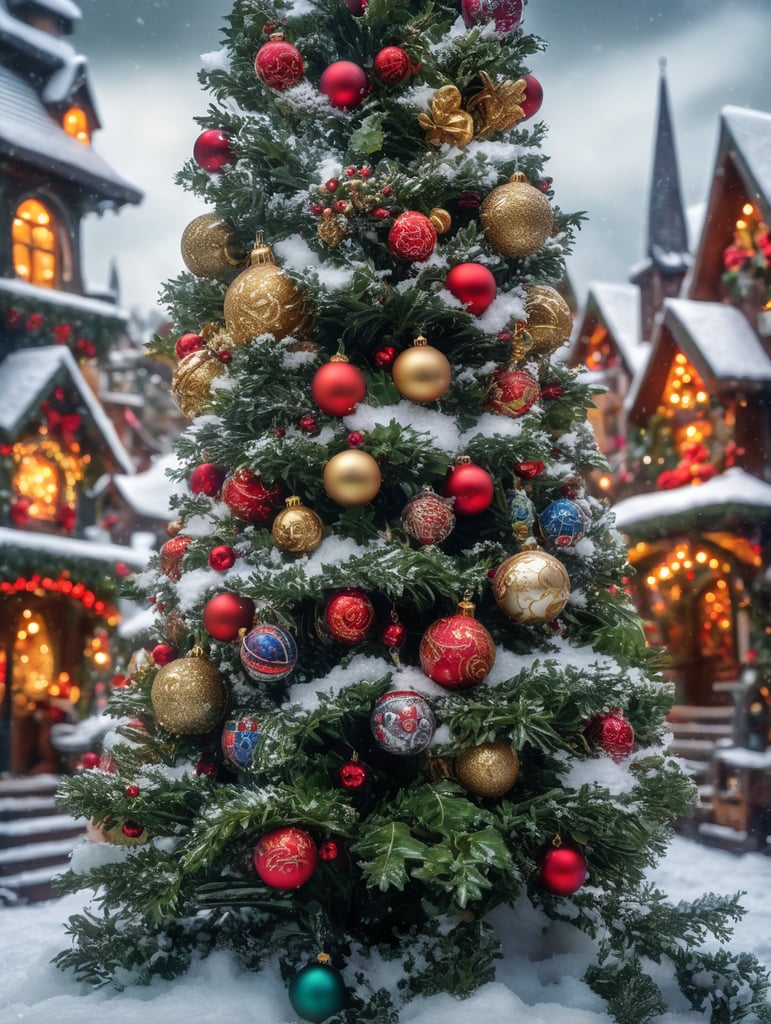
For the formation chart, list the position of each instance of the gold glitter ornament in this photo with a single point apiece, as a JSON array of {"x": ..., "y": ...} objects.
[
  {"x": 549, "y": 320},
  {"x": 192, "y": 379},
  {"x": 332, "y": 230},
  {"x": 211, "y": 248},
  {"x": 297, "y": 530},
  {"x": 189, "y": 695},
  {"x": 447, "y": 122},
  {"x": 516, "y": 218},
  {"x": 421, "y": 373},
  {"x": 441, "y": 219},
  {"x": 264, "y": 300},
  {"x": 489, "y": 770},
  {"x": 531, "y": 587},
  {"x": 352, "y": 477}
]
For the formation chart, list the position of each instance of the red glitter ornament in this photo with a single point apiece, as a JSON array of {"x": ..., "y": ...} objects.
[
  {"x": 511, "y": 392},
  {"x": 251, "y": 498},
  {"x": 412, "y": 237},
  {"x": 171, "y": 555},
  {"x": 338, "y": 386},
  {"x": 286, "y": 857},
  {"x": 349, "y": 615},
  {"x": 353, "y": 775},
  {"x": 472, "y": 284},
  {"x": 221, "y": 557},
  {"x": 384, "y": 357},
  {"x": 563, "y": 870},
  {"x": 471, "y": 486},
  {"x": 90, "y": 760},
  {"x": 208, "y": 479},
  {"x": 393, "y": 635},
  {"x": 533, "y": 97},
  {"x": 392, "y": 65},
  {"x": 226, "y": 614},
  {"x": 278, "y": 64},
  {"x": 457, "y": 651},
  {"x": 507, "y": 14},
  {"x": 212, "y": 150},
  {"x": 131, "y": 791},
  {"x": 345, "y": 84},
  {"x": 164, "y": 653},
  {"x": 611, "y": 732},
  {"x": 188, "y": 343},
  {"x": 427, "y": 518}
]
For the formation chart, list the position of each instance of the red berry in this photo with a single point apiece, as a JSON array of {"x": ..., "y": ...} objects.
[
  {"x": 332, "y": 184},
  {"x": 355, "y": 438},
  {"x": 316, "y": 208},
  {"x": 132, "y": 791}
]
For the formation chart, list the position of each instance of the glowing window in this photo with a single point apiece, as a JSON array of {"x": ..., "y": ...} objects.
[
  {"x": 34, "y": 244},
  {"x": 75, "y": 123},
  {"x": 45, "y": 481}
]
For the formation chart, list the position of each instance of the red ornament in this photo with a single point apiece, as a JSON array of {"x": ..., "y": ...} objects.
[
  {"x": 412, "y": 237},
  {"x": 221, "y": 557},
  {"x": 356, "y": 7},
  {"x": 533, "y": 97},
  {"x": 392, "y": 65},
  {"x": 226, "y": 614},
  {"x": 506, "y": 14},
  {"x": 511, "y": 392},
  {"x": 19, "y": 511},
  {"x": 332, "y": 185},
  {"x": 355, "y": 439},
  {"x": 308, "y": 424},
  {"x": 338, "y": 386},
  {"x": 612, "y": 732},
  {"x": 427, "y": 518},
  {"x": 131, "y": 791},
  {"x": 393, "y": 635},
  {"x": 224, "y": 356},
  {"x": 285, "y": 858},
  {"x": 384, "y": 357},
  {"x": 329, "y": 850},
  {"x": 132, "y": 829},
  {"x": 171, "y": 555},
  {"x": 251, "y": 498},
  {"x": 208, "y": 479},
  {"x": 164, "y": 653},
  {"x": 472, "y": 284},
  {"x": 563, "y": 870},
  {"x": 349, "y": 615},
  {"x": 471, "y": 486},
  {"x": 345, "y": 84},
  {"x": 206, "y": 765},
  {"x": 212, "y": 150},
  {"x": 353, "y": 775},
  {"x": 457, "y": 652},
  {"x": 188, "y": 343},
  {"x": 278, "y": 64},
  {"x": 90, "y": 760},
  {"x": 529, "y": 470}
]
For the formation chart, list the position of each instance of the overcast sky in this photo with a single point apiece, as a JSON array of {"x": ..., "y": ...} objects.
[{"x": 600, "y": 81}]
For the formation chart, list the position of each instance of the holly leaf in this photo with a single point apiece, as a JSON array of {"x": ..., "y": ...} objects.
[
  {"x": 461, "y": 866},
  {"x": 383, "y": 855},
  {"x": 368, "y": 137}
]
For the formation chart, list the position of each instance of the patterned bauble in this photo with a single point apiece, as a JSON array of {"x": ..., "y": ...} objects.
[
  {"x": 457, "y": 651},
  {"x": 208, "y": 479},
  {"x": 251, "y": 498},
  {"x": 421, "y": 372},
  {"x": 297, "y": 529},
  {"x": 286, "y": 857},
  {"x": 531, "y": 587},
  {"x": 471, "y": 486},
  {"x": 562, "y": 523},
  {"x": 562, "y": 870},
  {"x": 412, "y": 237},
  {"x": 210, "y": 247},
  {"x": 187, "y": 343},
  {"x": 488, "y": 770},
  {"x": 318, "y": 991},
  {"x": 533, "y": 97},
  {"x": 506, "y": 14},
  {"x": 472, "y": 284},
  {"x": 240, "y": 736},
  {"x": 268, "y": 652},
  {"x": 338, "y": 386},
  {"x": 511, "y": 392},
  {"x": 402, "y": 723},
  {"x": 221, "y": 557},
  {"x": 427, "y": 518},
  {"x": 521, "y": 514},
  {"x": 549, "y": 320},
  {"x": 349, "y": 615},
  {"x": 353, "y": 775},
  {"x": 612, "y": 733},
  {"x": 171, "y": 555},
  {"x": 352, "y": 477},
  {"x": 189, "y": 695},
  {"x": 516, "y": 218},
  {"x": 392, "y": 65},
  {"x": 163, "y": 654},
  {"x": 345, "y": 84},
  {"x": 264, "y": 300},
  {"x": 213, "y": 150},
  {"x": 278, "y": 64},
  {"x": 226, "y": 614},
  {"x": 192, "y": 379}
]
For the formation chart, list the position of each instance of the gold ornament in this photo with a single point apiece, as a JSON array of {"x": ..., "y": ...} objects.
[
  {"x": 421, "y": 373},
  {"x": 352, "y": 477},
  {"x": 332, "y": 230},
  {"x": 188, "y": 695},
  {"x": 489, "y": 770},
  {"x": 263, "y": 300},
  {"x": 191, "y": 381},
  {"x": 497, "y": 108},
  {"x": 297, "y": 530},
  {"x": 447, "y": 121},
  {"x": 211, "y": 248},
  {"x": 531, "y": 587},
  {"x": 549, "y": 320},
  {"x": 516, "y": 218},
  {"x": 441, "y": 219}
]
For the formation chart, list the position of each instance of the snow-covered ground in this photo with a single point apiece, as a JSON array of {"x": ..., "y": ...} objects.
[{"x": 550, "y": 992}]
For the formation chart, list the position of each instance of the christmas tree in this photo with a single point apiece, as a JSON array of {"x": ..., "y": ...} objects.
[{"x": 396, "y": 680}]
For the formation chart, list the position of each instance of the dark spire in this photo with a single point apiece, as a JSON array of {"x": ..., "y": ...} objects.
[{"x": 667, "y": 232}]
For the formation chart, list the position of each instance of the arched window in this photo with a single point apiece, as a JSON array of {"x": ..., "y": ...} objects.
[
  {"x": 75, "y": 123},
  {"x": 35, "y": 248},
  {"x": 44, "y": 484}
]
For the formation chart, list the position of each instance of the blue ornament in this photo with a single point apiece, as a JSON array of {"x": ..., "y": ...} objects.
[
  {"x": 521, "y": 514},
  {"x": 268, "y": 652},
  {"x": 240, "y": 736},
  {"x": 317, "y": 992},
  {"x": 562, "y": 523}
]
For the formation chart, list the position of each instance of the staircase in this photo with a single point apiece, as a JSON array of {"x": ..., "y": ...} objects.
[
  {"x": 696, "y": 731},
  {"x": 36, "y": 838}
]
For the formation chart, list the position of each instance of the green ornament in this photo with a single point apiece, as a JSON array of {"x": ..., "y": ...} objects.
[{"x": 318, "y": 991}]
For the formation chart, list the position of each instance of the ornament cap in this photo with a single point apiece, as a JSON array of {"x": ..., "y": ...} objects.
[
  {"x": 338, "y": 357},
  {"x": 276, "y": 37},
  {"x": 324, "y": 958},
  {"x": 466, "y": 608},
  {"x": 261, "y": 253},
  {"x": 518, "y": 177},
  {"x": 293, "y": 501},
  {"x": 419, "y": 341}
]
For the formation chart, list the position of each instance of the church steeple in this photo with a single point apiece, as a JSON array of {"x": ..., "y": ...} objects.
[{"x": 667, "y": 232}]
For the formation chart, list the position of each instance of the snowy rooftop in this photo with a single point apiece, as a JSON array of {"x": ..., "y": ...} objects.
[
  {"x": 71, "y": 548},
  {"x": 54, "y": 297},
  {"x": 27, "y": 376},
  {"x": 618, "y": 307},
  {"x": 723, "y": 337},
  {"x": 750, "y": 131},
  {"x": 149, "y": 493}
]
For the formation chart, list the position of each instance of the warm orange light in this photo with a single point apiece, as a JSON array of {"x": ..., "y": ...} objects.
[
  {"x": 748, "y": 209},
  {"x": 75, "y": 124},
  {"x": 34, "y": 244}
]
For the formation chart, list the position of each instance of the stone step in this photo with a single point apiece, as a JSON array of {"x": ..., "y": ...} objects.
[
  {"x": 23, "y": 831},
  {"x": 29, "y": 886},
  {"x": 54, "y": 853},
  {"x": 28, "y": 785},
  {"x": 12, "y": 807}
]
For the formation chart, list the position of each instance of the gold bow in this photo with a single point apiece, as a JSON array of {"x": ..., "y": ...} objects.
[
  {"x": 497, "y": 108},
  {"x": 447, "y": 122}
]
